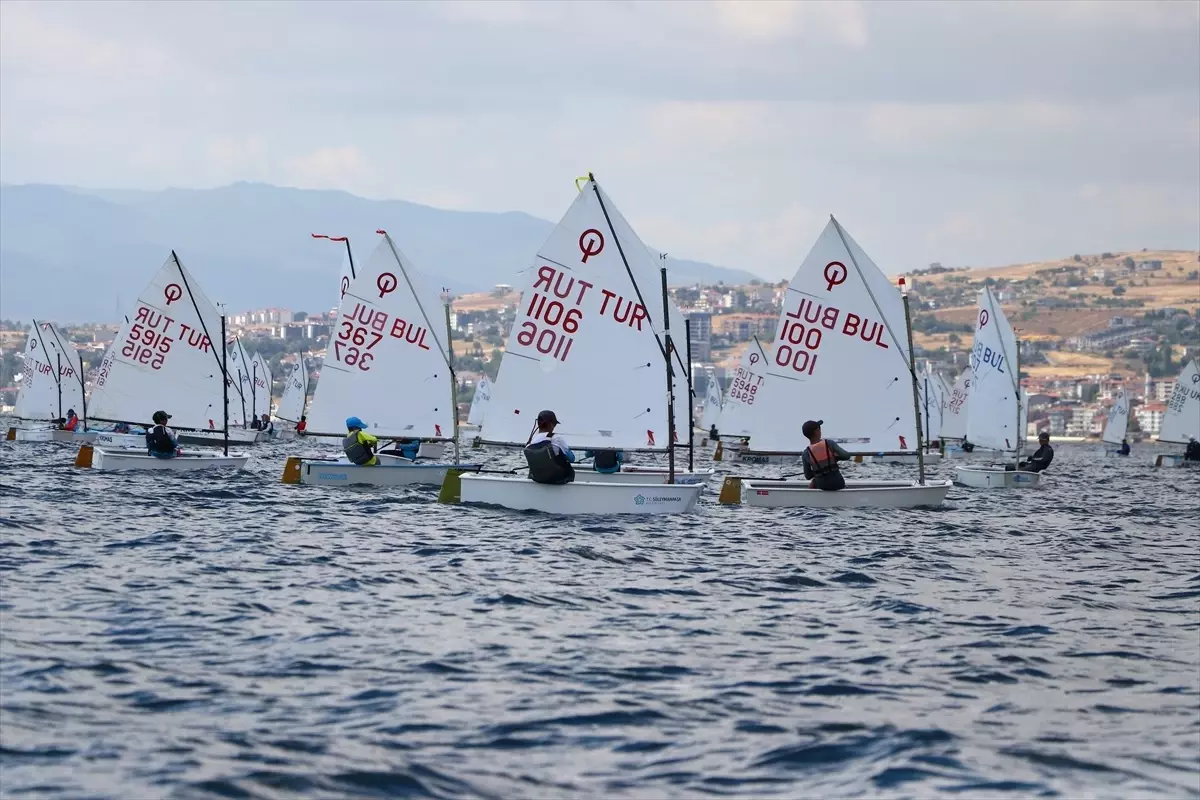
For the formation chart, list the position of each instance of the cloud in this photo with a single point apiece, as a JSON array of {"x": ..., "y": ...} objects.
[{"x": 727, "y": 131}]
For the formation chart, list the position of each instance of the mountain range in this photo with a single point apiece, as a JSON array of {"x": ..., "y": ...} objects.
[{"x": 77, "y": 255}]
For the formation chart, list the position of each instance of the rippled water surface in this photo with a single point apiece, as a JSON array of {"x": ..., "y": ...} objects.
[{"x": 230, "y": 636}]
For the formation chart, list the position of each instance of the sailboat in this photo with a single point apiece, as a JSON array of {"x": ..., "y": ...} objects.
[
  {"x": 710, "y": 415},
  {"x": 586, "y": 310},
  {"x": 998, "y": 404},
  {"x": 387, "y": 364},
  {"x": 1181, "y": 422},
  {"x": 480, "y": 402},
  {"x": 294, "y": 403},
  {"x": 241, "y": 407},
  {"x": 1117, "y": 425},
  {"x": 165, "y": 358},
  {"x": 842, "y": 353},
  {"x": 52, "y": 383},
  {"x": 955, "y": 410},
  {"x": 739, "y": 410}
]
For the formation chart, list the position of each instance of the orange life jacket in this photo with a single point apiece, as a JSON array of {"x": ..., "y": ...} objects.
[{"x": 823, "y": 458}]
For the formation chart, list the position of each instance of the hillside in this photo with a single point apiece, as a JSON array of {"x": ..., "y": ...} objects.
[
  {"x": 74, "y": 255},
  {"x": 1050, "y": 302}
]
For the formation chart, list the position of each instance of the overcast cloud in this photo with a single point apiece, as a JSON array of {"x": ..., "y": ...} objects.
[{"x": 967, "y": 132}]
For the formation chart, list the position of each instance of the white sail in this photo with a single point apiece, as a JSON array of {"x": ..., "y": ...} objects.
[
  {"x": 260, "y": 372},
  {"x": 480, "y": 402},
  {"x": 712, "y": 404},
  {"x": 931, "y": 405},
  {"x": 995, "y": 395},
  {"x": 1181, "y": 423},
  {"x": 840, "y": 355},
  {"x": 1118, "y": 419},
  {"x": 580, "y": 318},
  {"x": 237, "y": 364},
  {"x": 51, "y": 366},
  {"x": 295, "y": 392},
  {"x": 742, "y": 400},
  {"x": 386, "y": 362},
  {"x": 164, "y": 357},
  {"x": 955, "y": 407}
]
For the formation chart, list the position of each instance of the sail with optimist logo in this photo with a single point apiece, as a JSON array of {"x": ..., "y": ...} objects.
[
  {"x": 1181, "y": 422},
  {"x": 1117, "y": 425},
  {"x": 480, "y": 402},
  {"x": 51, "y": 382},
  {"x": 840, "y": 355},
  {"x": 164, "y": 358},
  {"x": 387, "y": 361},
  {"x": 997, "y": 406},
  {"x": 742, "y": 400},
  {"x": 260, "y": 391},
  {"x": 295, "y": 393},
  {"x": 591, "y": 305}
]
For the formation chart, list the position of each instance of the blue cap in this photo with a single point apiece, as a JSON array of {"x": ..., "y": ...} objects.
[{"x": 355, "y": 422}]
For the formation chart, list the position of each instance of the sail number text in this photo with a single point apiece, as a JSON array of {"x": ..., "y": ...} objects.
[
  {"x": 363, "y": 327},
  {"x": 745, "y": 386},
  {"x": 151, "y": 336},
  {"x": 802, "y": 330}
]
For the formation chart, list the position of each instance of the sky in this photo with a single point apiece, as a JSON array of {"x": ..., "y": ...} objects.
[{"x": 968, "y": 133}]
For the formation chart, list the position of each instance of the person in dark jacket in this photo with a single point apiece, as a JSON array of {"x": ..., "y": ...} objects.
[
  {"x": 606, "y": 462},
  {"x": 1192, "y": 453},
  {"x": 821, "y": 459},
  {"x": 1042, "y": 457},
  {"x": 161, "y": 441},
  {"x": 1125, "y": 448},
  {"x": 547, "y": 453}
]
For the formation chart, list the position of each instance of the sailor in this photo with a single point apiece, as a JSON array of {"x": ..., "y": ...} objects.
[
  {"x": 1192, "y": 453},
  {"x": 967, "y": 447},
  {"x": 821, "y": 459},
  {"x": 1041, "y": 457},
  {"x": 161, "y": 441},
  {"x": 121, "y": 427},
  {"x": 255, "y": 424},
  {"x": 547, "y": 453},
  {"x": 712, "y": 433},
  {"x": 302, "y": 425},
  {"x": 267, "y": 425},
  {"x": 606, "y": 462},
  {"x": 1125, "y": 448},
  {"x": 359, "y": 445},
  {"x": 71, "y": 421}
]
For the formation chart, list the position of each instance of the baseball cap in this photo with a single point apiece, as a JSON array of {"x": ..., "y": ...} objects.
[
  {"x": 811, "y": 426},
  {"x": 547, "y": 416}
]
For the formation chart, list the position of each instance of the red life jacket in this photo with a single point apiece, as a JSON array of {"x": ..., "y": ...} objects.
[
  {"x": 71, "y": 424},
  {"x": 823, "y": 458}
]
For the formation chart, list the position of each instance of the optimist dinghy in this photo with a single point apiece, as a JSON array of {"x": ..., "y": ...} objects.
[
  {"x": 998, "y": 405},
  {"x": 294, "y": 403},
  {"x": 51, "y": 384},
  {"x": 584, "y": 312},
  {"x": 1117, "y": 425},
  {"x": 164, "y": 357},
  {"x": 842, "y": 351},
  {"x": 1181, "y": 423},
  {"x": 385, "y": 363}
]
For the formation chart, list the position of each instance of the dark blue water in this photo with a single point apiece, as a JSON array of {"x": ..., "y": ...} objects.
[{"x": 231, "y": 636}]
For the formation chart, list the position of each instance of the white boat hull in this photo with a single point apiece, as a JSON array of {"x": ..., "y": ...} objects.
[
  {"x": 237, "y": 436},
  {"x": 995, "y": 478},
  {"x": 139, "y": 460},
  {"x": 1174, "y": 460},
  {"x": 118, "y": 440},
  {"x": 580, "y": 497},
  {"x": 754, "y": 457},
  {"x": 390, "y": 471},
  {"x": 857, "y": 494},
  {"x": 641, "y": 475},
  {"x": 53, "y": 435}
]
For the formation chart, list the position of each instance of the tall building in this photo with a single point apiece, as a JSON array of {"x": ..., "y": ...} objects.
[{"x": 701, "y": 327}]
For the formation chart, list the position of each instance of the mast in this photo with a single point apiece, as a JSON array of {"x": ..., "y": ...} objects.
[
  {"x": 83, "y": 393},
  {"x": 687, "y": 327},
  {"x": 41, "y": 339},
  {"x": 670, "y": 381},
  {"x": 1020, "y": 433},
  {"x": 916, "y": 393},
  {"x": 58, "y": 364},
  {"x": 453, "y": 378},
  {"x": 926, "y": 381},
  {"x": 224, "y": 384}
]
